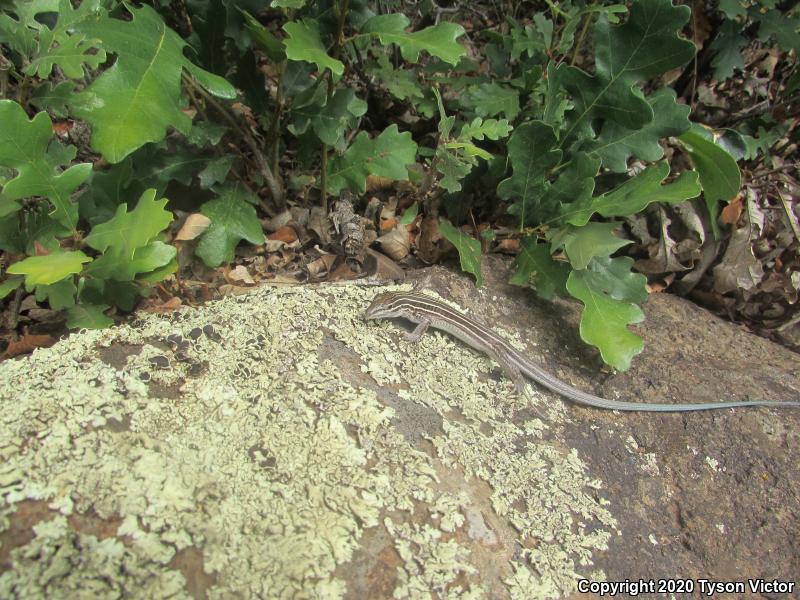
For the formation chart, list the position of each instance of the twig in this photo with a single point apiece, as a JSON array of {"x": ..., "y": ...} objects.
[
  {"x": 762, "y": 107},
  {"x": 337, "y": 46},
  {"x": 274, "y": 186},
  {"x": 786, "y": 167},
  {"x": 15, "y": 305}
]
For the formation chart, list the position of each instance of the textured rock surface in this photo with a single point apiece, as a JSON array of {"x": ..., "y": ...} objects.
[{"x": 275, "y": 445}]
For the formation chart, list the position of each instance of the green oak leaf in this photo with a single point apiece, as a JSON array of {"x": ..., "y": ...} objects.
[
  {"x": 479, "y": 129},
  {"x": 575, "y": 184},
  {"x": 44, "y": 270},
  {"x": 456, "y": 158},
  {"x": 719, "y": 173},
  {"x": 158, "y": 274},
  {"x": 216, "y": 171},
  {"x": 645, "y": 46},
  {"x": 9, "y": 285},
  {"x": 15, "y": 34},
  {"x": 634, "y": 195},
  {"x": 70, "y": 54},
  {"x": 409, "y": 214},
  {"x": 297, "y": 77},
  {"x": 532, "y": 153},
  {"x": 613, "y": 277},
  {"x": 53, "y": 97},
  {"x": 616, "y": 142},
  {"x": 208, "y": 36},
  {"x": 782, "y": 26},
  {"x": 21, "y": 232},
  {"x": 154, "y": 167},
  {"x": 453, "y": 168},
  {"x": 469, "y": 249},
  {"x": 128, "y": 240},
  {"x": 206, "y": 133},
  {"x": 154, "y": 255},
  {"x": 265, "y": 39},
  {"x": 403, "y": 84},
  {"x": 60, "y": 45},
  {"x": 732, "y": 8},
  {"x": 88, "y": 316},
  {"x": 106, "y": 190},
  {"x": 304, "y": 43},
  {"x": 535, "y": 262},
  {"x": 25, "y": 146},
  {"x": 122, "y": 294},
  {"x": 437, "y": 40},
  {"x": 60, "y": 295},
  {"x": 526, "y": 40},
  {"x": 545, "y": 28},
  {"x": 491, "y": 99},
  {"x": 131, "y": 230},
  {"x": 331, "y": 117},
  {"x": 581, "y": 244},
  {"x": 728, "y": 50},
  {"x": 233, "y": 218},
  {"x": 118, "y": 266},
  {"x": 385, "y": 156},
  {"x": 135, "y": 100},
  {"x": 605, "y": 320}
]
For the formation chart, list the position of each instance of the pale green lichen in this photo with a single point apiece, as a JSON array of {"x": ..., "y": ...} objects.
[
  {"x": 430, "y": 563},
  {"x": 68, "y": 564},
  {"x": 272, "y": 463}
]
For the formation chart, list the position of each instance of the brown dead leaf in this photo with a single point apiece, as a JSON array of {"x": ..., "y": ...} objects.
[
  {"x": 428, "y": 249},
  {"x": 227, "y": 289},
  {"x": 508, "y": 246},
  {"x": 27, "y": 344},
  {"x": 376, "y": 183},
  {"x": 319, "y": 223},
  {"x": 657, "y": 287},
  {"x": 396, "y": 244},
  {"x": 244, "y": 111},
  {"x": 731, "y": 213},
  {"x": 282, "y": 279},
  {"x": 388, "y": 224},
  {"x": 342, "y": 272},
  {"x": 381, "y": 267},
  {"x": 322, "y": 266},
  {"x": 194, "y": 225},
  {"x": 156, "y": 305},
  {"x": 62, "y": 128},
  {"x": 240, "y": 275},
  {"x": 278, "y": 221},
  {"x": 284, "y": 234}
]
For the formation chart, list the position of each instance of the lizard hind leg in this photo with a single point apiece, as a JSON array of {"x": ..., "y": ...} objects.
[{"x": 521, "y": 386}]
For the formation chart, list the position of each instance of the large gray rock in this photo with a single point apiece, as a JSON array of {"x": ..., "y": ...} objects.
[{"x": 275, "y": 445}]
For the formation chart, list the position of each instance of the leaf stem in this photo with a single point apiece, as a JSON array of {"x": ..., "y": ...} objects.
[{"x": 581, "y": 37}]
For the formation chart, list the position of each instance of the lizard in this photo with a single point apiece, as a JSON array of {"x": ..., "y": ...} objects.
[{"x": 425, "y": 311}]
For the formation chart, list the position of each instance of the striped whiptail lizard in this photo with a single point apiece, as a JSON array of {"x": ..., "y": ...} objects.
[{"x": 426, "y": 312}]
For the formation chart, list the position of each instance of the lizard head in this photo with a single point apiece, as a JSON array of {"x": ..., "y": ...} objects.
[{"x": 385, "y": 306}]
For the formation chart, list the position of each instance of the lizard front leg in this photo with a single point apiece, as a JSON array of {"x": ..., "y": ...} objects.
[{"x": 414, "y": 336}]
